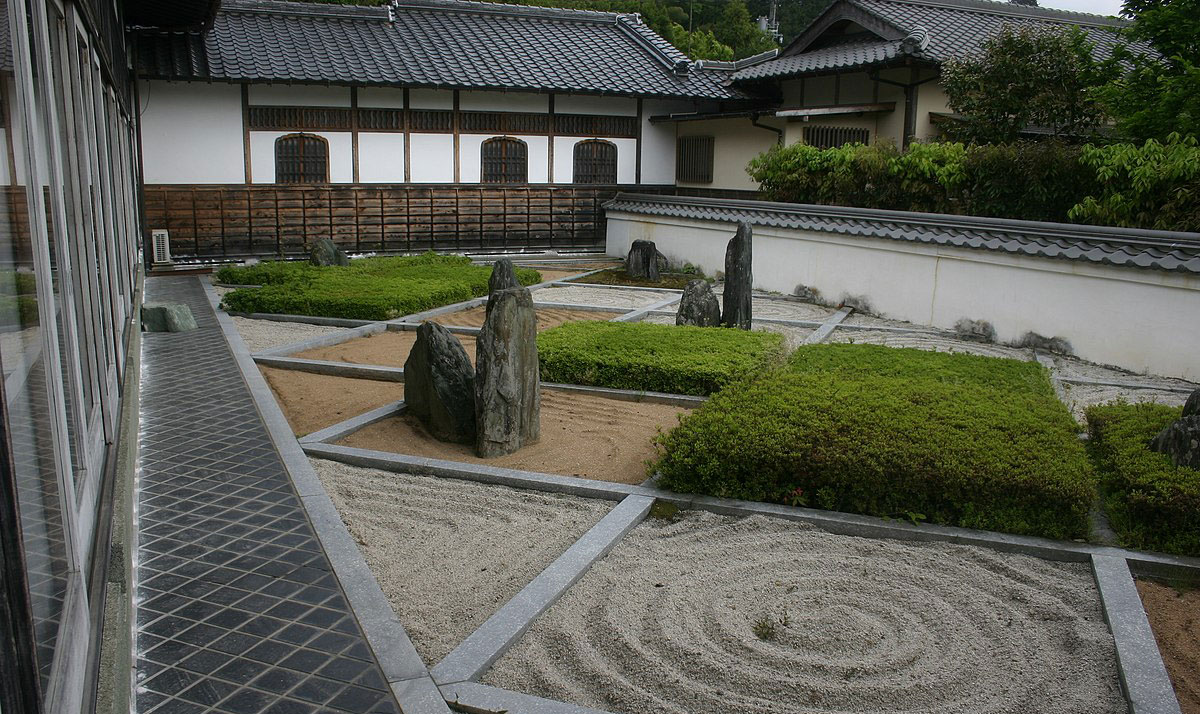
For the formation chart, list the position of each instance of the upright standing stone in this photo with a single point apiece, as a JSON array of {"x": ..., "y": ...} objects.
[
  {"x": 642, "y": 261},
  {"x": 326, "y": 252},
  {"x": 1181, "y": 438},
  {"x": 504, "y": 276},
  {"x": 698, "y": 306},
  {"x": 739, "y": 279},
  {"x": 507, "y": 386},
  {"x": 439, "y": 384}
]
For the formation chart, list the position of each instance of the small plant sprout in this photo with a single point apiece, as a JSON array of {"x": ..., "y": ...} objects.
[{"x": 764, "y": 628}]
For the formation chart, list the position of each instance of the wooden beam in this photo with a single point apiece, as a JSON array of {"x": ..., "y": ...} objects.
[
  {"x": 457, "y": 131},
  {"x": 407, "y": 140},
  {"x": 354, "y": 131},
  {"x": 550, "y": 143},
  {"x": 637, "y": 177},
  {"x": 246, "y": 133},
  {"x": 835, "y": 110}
]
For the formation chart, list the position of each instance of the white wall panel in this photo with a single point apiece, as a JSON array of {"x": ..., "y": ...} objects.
[
  {"x": 192, "y": 133},
  {"x": 504, "y": 102},
  {"x": 470, "y": 159},
  {"x": 381, "y": 97},
  {"x": 432, "y": 158},
  {"x": 262, "y": 155},
  {"x": 564, "y": 158},
  {"x": 381, "y": 157},
  {"x": 587, "y": 104},
  {"x": 299, "y": 95},
  {"x": 658, "y": 141},
  {"x": 430, "y": 99}
]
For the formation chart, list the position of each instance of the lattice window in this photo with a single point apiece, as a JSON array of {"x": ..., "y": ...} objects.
[
  {"x": 381, "y": 119},
  {"x": 596, "y": 162},
  {"x": 592, "y": 125},
  {"x": 828, "y": 137},
  {"x": 301, "y": 158},
  {"x": 504, "y": 122},
  {"x": 299, "y": 118},
  {"x": 694, "y": 159},
  {"x": 504, "y": 160},
  {"x": 430, "y": 120}
]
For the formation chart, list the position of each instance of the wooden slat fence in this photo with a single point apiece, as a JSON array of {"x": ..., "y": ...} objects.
[{"x": 282, "y": 221}]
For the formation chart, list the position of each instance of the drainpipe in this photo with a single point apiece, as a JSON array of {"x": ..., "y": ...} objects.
[
  {"x": 910, "y": 102},
  {"x": 778, "y": 132}
]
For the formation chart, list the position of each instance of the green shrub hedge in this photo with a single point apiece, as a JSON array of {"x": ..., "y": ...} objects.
[
  {"x": 953, "y": 439},
  {"x": 1151, "y": 503},
  {"x": 656, "y": 358},
  {"x": 367, "y": 289}
]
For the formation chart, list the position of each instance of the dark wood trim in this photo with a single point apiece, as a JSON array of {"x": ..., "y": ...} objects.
[
  {"x": 20, "y": 686},
  {"x": 354, "y": 132},
  {"x": 457, "y": 137},
  {"x": 246, "y": 134},
  {"x": 550, "y": 143},
  {"x": 637, "y": 177},
  {"x": 837, "y": 89},
  {"x": 8, "y": 128},
  {"x": 407, "y": 141}
]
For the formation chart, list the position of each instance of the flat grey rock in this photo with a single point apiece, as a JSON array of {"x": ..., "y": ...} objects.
[
  {"x": 167, "y": 317},
  {"x": 326, "y": 253},
  {"x": 507, "y": 385},
  {"x": 439, "y": 384},
  {"x": 739, "y": 279},
  {"x": 699, "y": 306},
  {"x": 1181, "y": 438}
]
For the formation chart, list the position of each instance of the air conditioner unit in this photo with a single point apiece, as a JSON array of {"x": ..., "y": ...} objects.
[{"x": 162, "y": 246}]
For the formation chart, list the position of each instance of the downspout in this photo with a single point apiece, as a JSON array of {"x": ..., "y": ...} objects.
[
  {"x": 778, "y": 132},
  {"x": 910, "y": 102}
]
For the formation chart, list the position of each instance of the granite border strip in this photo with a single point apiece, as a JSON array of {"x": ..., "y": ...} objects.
[
  {"x": 418, "y": 317},
  {"x": 639, "y": 313},
  {"x": 303, "y": 319},
  {"x": 569, "y": 283},
  {"x": 345, "y": 428},
  {"x": 850, "y": 524},
  {"x": 1125, "y": 385},
  {"x": 550, "y": 283},
  {"x": 397, "y": 657},
  {"x": 476, "y": 698},
  {"x": 581, "y": 308},
  {"x": 630, "y": 395},
  {"x": 313, "y": 343},
  {"x": 333, "y": 369},
  {"x": 491, "y": 640},
  {"x": 1144, "y": 677},
  {"x": 827, "y": 327}
]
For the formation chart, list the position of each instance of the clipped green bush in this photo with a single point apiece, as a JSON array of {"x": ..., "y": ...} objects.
[
  {"x": 952, "y": 439},
  {"x": 367, "y": 289},
  {"x": 1151, "y": 503},
  {"x": 17, "y": 283},
  {"x": 655, "y": 358}
]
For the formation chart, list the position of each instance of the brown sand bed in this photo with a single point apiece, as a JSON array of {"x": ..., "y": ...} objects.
[
  {"x": 547, "y": 317},
  {"x": 387, "y": 349},
  {"x": 707, "y": 614},
  {"x": 1175, "y": 618},
  {"x": 582, "y": 435},
  {"x": 549, "y": 274},
  {"x": 314, "y": 401}
]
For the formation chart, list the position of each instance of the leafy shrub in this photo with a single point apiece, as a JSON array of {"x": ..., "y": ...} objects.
[
  {"x": 1151, "y": 502},
  {"x": 1149, "y": 186},
  {"x": 656, "y": 358},
  {"x": 22, "y": 307},
  {"x": 17, "y": 283},
  {"x": 367, "y": 289},
  {"x": 1029, "y": 180},
  {"x": 954, "y": 439}
]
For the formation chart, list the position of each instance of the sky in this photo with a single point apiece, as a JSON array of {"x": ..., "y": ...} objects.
[{"x": 1096, "y": 7}]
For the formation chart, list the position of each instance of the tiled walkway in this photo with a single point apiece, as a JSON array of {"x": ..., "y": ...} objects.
[{"x": 238, "y": 610}]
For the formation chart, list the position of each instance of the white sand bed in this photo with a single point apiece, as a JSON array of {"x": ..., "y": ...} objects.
[
  {"x": 267, "y": 334},
  {"x": 1078, "y": 397},
  {"x": 789, "y": 310},
  {"x": 666, "y": 623},
  {"x": 934, "y": 343},
  {"x": 864, "y": 320},
  {"x": 605, "y": 297},
  {"x": 449, "y": 553},
  {"x": 1069, "y": 367}
]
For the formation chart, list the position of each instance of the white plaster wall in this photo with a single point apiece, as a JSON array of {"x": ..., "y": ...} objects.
[
  {"x": 381, "y": 97},
  {"x": 736, "y": 142},
  {"x": 430, "y": 99},
  {"x": 431, "y": 158},
  {"x": 586, "y": 104},
  {"x": 658, "y": 141},
  {"x": 1120, "y": 316},
  {"x": 504, "y": 102},
  {"x": 470, "y": 161},
  {"x": 192, "y": 133},
  {"x": 564, "y": 158},
  {"x": 381, "y": 157},
  {"x": 299, "y": 95},
  {"x": 930, "y": 98},
  {"x": 262, "y": 155}
]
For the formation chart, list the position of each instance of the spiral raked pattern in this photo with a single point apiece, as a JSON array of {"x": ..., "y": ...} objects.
[{"x": 667, "y": 623}]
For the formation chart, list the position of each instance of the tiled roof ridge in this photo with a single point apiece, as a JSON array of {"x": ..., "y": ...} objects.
[
  {"x": 285, "y": 8},
  {"x": 513, "y": 10},
  {"x": 1031, "y": 12}
]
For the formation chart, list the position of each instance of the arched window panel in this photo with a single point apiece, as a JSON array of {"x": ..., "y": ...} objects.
[
  {"x": 504, "y": 160},
  {"x": 595, "y": 162},
  {"x": 301, "y": 158}
]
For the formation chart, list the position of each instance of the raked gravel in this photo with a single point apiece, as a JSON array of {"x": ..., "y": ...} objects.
[
  {"x": 449, "y": 553},
  {"x": 267, "y": 334},
  {"x": 665, "y": 623}
]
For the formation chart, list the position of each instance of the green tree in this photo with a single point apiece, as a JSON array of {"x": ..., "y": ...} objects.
[
  {"x": 739, "y": 31},
  {"x": 1025, "y": 77}
]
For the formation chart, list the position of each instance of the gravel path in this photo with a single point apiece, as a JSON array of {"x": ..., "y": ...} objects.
[
  {"x": 1078, "y": 397},
  {"x": 935, "y": 343},
  {"x": 266, "y": 334},
  {"x": 449, "y": 553},
  {"x": 604, "y": 297},
  {"x": 666, "y": 623}
]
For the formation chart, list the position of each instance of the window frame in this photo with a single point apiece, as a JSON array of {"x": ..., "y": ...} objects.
[
  {"x": 506, "y": 175},
  {"x": 695, "y": 158},
  {"x": 580, "y": 177},
  {"x": 302, "y": 136}
]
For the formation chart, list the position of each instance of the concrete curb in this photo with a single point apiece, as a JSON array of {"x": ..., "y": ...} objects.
[
  {"x": 393, "y": 649},
  {"x": 1143, "y": 674},
  {"x": 335, "y": 369},
  {"x": 569, "y": 283},
  {"x": 474, "y": 697},
  {"x": 638, "y": 314},
  {"x": 581, "y": 308},
  {"x": 828, "y": 326},
  {"x": 345, "y": 428},
  {"x": 630, "y": 395},
  {"x": 1125, "y": 385},
  {"x": 416, "y": 318},
  {"x": 323, "y": 341},
  {"x": 485, "y": 645},
  {"x": 303, "y": 319}
]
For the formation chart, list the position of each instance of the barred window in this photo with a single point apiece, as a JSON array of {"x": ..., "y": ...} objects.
[
  {"x": 596, "y": 162},
  {"x": 694, "y": 159},
  {"x": 829, "y": 137},
  {"x": 301, "y": 158},
  {"x": 505, "y": 160},
  {"x": 299, "y": 119}
]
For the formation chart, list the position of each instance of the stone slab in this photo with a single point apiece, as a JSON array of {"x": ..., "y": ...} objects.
[
  {"x": 638, "y": 314},
  {"x": 335, "y": 369},
  {"x": 475, "y": 697},
  {"x": 828, "y": 326},
  {"x": 304, "y": 319},
  {"x": 345, "y": 428},
  {"x": 336, "y": 338}
]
